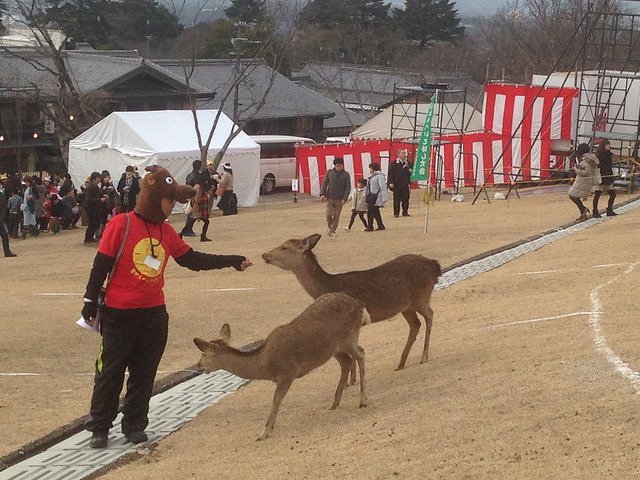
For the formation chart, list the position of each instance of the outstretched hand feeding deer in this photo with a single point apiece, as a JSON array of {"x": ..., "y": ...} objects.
[
  {"x": 402, "y": 285},
  {"x": 293, "y": 350}
]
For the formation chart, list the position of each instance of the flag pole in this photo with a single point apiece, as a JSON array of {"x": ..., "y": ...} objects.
[{"x": 421, "y": 168}]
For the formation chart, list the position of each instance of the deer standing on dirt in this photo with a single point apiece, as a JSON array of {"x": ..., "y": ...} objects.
[
  {"x": 328, "y": 327},
  {"x": 402, "y": 285}
]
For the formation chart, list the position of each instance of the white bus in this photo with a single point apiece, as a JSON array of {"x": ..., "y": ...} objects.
[{"x": 278, "y": 159}]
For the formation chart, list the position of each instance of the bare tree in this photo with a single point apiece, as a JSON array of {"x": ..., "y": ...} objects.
[
  {"x": 533, "y": 36},
  {"x": 274, "y": 48},
  {"x": 57, "y": 96}
]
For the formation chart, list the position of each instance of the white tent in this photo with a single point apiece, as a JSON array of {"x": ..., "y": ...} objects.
[
  {"x": 166, "y": 138},
  {"x": 403, "y": 117}
]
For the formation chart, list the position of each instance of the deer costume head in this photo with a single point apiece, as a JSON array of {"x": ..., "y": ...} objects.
[{"x": 159, "y": 192}]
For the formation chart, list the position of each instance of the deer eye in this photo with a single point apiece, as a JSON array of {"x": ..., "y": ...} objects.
[{"x": 169, "y": 180}]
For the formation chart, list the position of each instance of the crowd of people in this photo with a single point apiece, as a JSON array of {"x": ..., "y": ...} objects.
[{"x": 33, "y": 204}]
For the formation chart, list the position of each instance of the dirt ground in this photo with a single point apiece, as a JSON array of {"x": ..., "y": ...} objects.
[{"x": 532, "y": 371}]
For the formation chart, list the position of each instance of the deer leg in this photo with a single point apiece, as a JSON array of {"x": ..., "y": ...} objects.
[
  {"x": 359, "y": 356},
  {"x": 352, "y": 376},
  {"x": 428, "y": 317},
  {"x": 282, "y": 387},
  {"x": 346, "y": 363},
  {"x": 414, "y": 327}
]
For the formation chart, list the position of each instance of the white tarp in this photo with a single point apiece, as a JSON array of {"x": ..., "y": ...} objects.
[
  {"x": 402, "y": 117},
  {"x": 166, "y": 138}
]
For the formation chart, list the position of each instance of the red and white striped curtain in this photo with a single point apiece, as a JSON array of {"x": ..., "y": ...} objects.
[{"x": 519, "y": 121}]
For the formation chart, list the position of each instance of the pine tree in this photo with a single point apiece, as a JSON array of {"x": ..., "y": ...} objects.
[
  {"x": 428, "y": 21},
  {"x": 371, "y": 13},
  {"x": 246, "y": 11}
]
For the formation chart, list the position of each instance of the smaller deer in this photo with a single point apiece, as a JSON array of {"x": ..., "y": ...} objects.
[
  {"x": 402, "y": 285},
  {"x": 328, "y": 327}
]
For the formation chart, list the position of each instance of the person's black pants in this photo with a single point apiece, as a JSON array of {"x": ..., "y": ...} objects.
[
  {"x": 93, "y": 224},
  {"x": 355, "y": 213},
  {"x": 134, "y": 340},
  {"x": 373, "y": 213},
  {"x": 5, "y": 239},
  {"x": 400, "y": 197}
]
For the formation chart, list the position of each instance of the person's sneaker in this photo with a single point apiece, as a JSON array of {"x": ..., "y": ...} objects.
[
  {"x": 10, "y": 254},
  {"x": 136, "y": 437},
  {"x": 189, "y": 234},
  {"x": 99, "y": 440}
]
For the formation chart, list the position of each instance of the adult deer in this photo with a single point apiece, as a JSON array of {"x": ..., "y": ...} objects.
[
  {"x": 329, "y": 327},
  {"x": 402, "y": 285}
]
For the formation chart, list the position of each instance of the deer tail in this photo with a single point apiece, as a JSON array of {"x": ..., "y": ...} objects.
[{"x": 366, "y": 318}]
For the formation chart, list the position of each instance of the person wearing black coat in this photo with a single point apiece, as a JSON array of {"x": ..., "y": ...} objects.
[
  {"x": 128, "y": 188},
  {"x": 4, "y": 234},
  {"x": 605, "y": 157},
  {"x": 399, "y": 182},
  {"x": 93, "y": 206}
]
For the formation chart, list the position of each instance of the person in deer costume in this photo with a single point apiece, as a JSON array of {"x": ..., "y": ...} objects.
[{"x": 134, "y": 320}]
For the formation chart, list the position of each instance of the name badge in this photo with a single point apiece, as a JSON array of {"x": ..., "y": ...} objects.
[{"x": 151, "y": 262}]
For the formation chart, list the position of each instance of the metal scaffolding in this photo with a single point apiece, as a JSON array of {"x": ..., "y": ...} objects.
[{"x": 408, "y": 110}]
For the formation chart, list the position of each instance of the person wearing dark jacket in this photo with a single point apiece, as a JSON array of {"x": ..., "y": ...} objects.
[
  {"x": 335, "y": 190},
  {"x": 134, "y": 321},
  {"x": 128, "y": 188},
  {"x": 93, "y": 206},
  {"x": 399, "y": 182},
  {"x": 3, "y": 226},
  {"x": 605, "y": 157},
  {"x": 193, "y": 177}
]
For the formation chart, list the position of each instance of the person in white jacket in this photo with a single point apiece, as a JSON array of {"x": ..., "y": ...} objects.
[
  {"x": 377, "y": 185},
  {"x": 358, "y": 205}
]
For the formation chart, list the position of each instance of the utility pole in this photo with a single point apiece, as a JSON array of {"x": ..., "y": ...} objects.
[
  {"x": 237, "y": 44},
  {"x": 148, "y": 37}
]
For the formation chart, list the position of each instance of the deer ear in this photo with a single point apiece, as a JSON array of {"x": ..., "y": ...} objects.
[
  {"x": 311, "y": 241},
  {"x": 225, "y": 332},
  {"x": 202, "y": 345}
]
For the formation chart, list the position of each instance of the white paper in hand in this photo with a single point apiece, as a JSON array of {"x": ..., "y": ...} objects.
[{"x": 83, "y": 323}]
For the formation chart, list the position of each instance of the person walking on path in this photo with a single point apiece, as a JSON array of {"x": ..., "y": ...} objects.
[
  {"x": 335, "y": 191},
  {"x": 605, "y": 159},
  {"x": 399, "y": 183},
  {"x": 4, "y": 233},
  {"x": 377, "y": 185},
  {"x": 359, "y": 208},
  {"x": 586, "y": 170}
]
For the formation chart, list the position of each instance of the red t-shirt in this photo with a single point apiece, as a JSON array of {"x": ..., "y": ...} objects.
[{"x": 136, "y": 283}]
